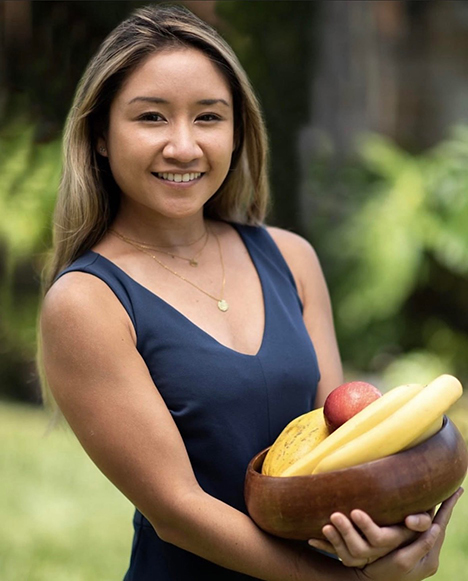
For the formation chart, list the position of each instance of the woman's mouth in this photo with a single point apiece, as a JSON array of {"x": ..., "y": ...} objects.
[{"x": 178, "y": 177}]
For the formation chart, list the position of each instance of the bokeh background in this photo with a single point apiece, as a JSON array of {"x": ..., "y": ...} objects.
[{"x": 366, "y": 104}]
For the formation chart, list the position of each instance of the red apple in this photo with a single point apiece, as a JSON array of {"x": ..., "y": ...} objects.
[{"x": 347, "y": 400}]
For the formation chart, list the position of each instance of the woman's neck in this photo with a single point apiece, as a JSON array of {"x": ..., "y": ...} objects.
[{"x": 161, "y": 231}]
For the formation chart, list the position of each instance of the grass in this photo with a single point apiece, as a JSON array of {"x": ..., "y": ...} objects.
[{"x": 62, "y": 520}]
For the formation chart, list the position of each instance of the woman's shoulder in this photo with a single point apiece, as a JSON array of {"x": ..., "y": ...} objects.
[
  {"x": 294, "y": 247},
  {"x": 299, "y": 255},
  {"x": 72, "y": 293},
  {"x": 77, "y": 300},
  {"x": 289, "y": 239}
]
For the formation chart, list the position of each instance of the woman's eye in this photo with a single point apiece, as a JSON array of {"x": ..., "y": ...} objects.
[
  {"x": 208, "y": 117},
  {"x": 151, "y": 117}
]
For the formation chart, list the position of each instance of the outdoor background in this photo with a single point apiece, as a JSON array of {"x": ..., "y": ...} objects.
[{"x": 366, "y": 104}]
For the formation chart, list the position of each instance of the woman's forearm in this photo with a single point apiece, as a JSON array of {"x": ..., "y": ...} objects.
[{"x": 215, "y": 531}]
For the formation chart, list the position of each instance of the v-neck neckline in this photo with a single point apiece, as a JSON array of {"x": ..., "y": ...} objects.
[{"x": 178, "y": 313}]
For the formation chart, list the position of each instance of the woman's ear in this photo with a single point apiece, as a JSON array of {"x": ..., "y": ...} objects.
[{"x": 101, "y": 147}]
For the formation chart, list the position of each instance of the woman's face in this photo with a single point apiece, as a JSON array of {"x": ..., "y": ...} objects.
[{"x": 171, "y": 134}]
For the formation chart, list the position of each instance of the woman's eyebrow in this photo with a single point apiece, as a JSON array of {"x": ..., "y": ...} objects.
[
  {"x": 157, "y": 100},
  {"x": 161, "y": 101},
  {"x": 213, "y": 102}
]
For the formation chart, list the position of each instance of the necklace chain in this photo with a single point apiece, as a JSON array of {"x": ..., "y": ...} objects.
[
  {"x": 192, "y": 261},
  {"x": 127, "y": 239},
  {"x": 223, "y": 305}
]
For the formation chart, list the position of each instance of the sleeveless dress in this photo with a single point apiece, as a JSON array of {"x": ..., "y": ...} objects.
[{"x": 227, "y": 405}]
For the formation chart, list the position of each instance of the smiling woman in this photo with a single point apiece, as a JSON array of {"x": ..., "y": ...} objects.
[
  {"x": 179, "y": 334},
  {"x": 165, "y": 124}
]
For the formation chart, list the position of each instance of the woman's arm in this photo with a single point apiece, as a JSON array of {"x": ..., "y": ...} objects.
[
  {"x": 106, "y": 393},
  {"x": 354, "y": 548}
]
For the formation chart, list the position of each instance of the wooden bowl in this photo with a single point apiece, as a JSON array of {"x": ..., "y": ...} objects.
[{"x": 388, "y": 489}]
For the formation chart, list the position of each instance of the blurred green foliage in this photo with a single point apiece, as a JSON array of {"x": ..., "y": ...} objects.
[
  {"x": 66, "y": 34},
  {"x": 391, "y": 229},
  {"x": 30, "y": 173}
]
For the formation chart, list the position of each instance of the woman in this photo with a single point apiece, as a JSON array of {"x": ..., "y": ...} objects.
[{"x": 179, "y": 335}]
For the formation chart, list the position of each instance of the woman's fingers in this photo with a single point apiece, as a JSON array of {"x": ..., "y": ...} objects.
[
  {"x": 387, "y": 538},
  {"x": 418, "y": 560},
  {"x": 368, "y": 541},
  {"x": 419, "y": 522},
  {"x": 322, "y": 545},
  {"x": 347, "y": 543},
  {"x": 444, "y": 513},
  {"x": 359, "y": 547},
  {"x": 359, "y": 541},
  {"x": 421, "y": 557}
]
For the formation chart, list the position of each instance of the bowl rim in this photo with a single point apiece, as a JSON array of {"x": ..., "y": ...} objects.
[
  {"x": 252, "y": 469},
  {"x": 261, "y": 490}
]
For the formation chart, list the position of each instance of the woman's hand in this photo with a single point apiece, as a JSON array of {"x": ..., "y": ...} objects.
[
  {"x": 418, "y": 560},
  {"x": 359, "y": 541}
]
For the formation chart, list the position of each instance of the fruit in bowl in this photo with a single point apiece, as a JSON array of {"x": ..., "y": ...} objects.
[
  {"x": 388, "y": 489},
  {"x": 360, "y": 466},
  {"x": 346, "y": 400},
  {"x": 302, "y": 435}
]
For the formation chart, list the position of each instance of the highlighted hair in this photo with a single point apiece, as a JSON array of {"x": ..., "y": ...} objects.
[{"x": 88, "y": 197}]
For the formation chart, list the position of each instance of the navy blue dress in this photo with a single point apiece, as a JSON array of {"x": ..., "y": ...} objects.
[{"x": 227, "y": 405}]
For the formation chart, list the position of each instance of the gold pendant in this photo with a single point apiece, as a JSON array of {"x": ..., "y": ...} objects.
[
  {"x": 193, "y": 262},
  {"x": 223, "y": 305}
]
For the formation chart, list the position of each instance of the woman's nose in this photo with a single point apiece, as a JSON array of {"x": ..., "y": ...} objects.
[{"x": 182, "y": 145}]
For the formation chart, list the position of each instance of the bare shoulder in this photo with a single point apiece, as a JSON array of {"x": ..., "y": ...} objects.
[
  {"x": 71, "y": 295},
  {"x": 299, "y": 255},
  {"x": 291, "y": 243},
  {"x": 78, "y": 302},
  {"x": 87, "y": 345}
]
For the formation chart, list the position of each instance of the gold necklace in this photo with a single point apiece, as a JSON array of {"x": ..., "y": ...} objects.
[
  {"x": 223, "y": 305},
  {"x": 162, "y": 245},
  {"x": 192, "y": 261}
]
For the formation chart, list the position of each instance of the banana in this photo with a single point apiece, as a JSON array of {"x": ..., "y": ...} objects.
[
  {"x": 299, "y": 437},
  {"x": 431, "y": 430},
  {"x": 366, "y": 419},
  {"x": 398, "y": 430}
]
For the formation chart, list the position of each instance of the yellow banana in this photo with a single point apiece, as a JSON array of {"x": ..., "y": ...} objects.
[
  {"x": 399, "y": 429},
  {"x": 431, "y": 430},
  {"x": 366, "y": 419},
  {"x": 299, "y": 437}
]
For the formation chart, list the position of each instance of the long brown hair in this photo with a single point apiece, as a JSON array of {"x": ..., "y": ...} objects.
[{"x": 88, "y": 197}]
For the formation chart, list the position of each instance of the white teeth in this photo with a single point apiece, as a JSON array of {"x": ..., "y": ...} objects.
[{"x": 178, "y": 177}]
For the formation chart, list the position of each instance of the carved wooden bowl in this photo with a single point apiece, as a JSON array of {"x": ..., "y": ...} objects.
[{"x": 388, "y": 489}]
